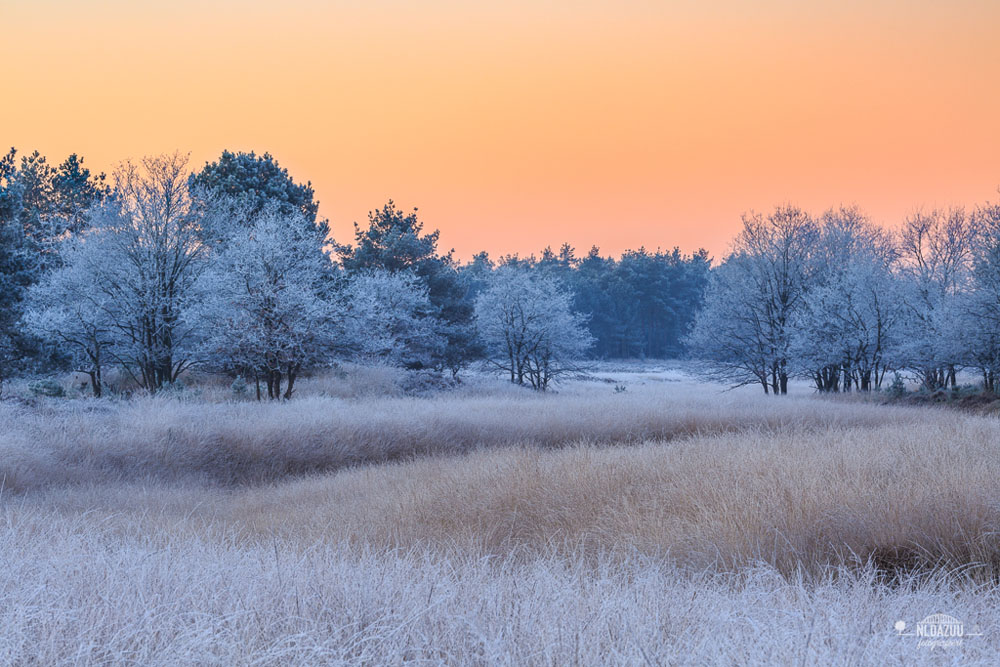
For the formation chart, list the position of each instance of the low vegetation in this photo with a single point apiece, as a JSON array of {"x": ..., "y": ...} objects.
[
  {"x": 79, "y": 592},
  {"x": 175, "y": 438},
  {"x": 492, "y": 524}
]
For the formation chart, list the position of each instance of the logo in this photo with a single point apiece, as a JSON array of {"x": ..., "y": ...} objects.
[{"x": 937, "y": 631}]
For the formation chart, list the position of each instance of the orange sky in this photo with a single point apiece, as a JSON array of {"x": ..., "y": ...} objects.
[{"x": 521, "y": 124}]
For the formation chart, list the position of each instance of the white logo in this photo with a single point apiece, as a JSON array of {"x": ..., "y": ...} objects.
[{"x": 937, "y": 631}]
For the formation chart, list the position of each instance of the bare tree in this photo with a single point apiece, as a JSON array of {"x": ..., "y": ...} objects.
[
  {"x": 937, "y": 253},
  {"x": 745, "y": 327},
  {"x": 529, "y": 329},
  {"x": 139, "y": 262},
  {"x": 980, "y": 325},
  {"x": 848, "y": 328}
]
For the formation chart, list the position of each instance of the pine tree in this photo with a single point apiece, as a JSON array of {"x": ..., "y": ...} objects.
[{"x": 394, "y": 241}]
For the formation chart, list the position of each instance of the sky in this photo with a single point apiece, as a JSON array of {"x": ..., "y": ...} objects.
[{"x": 515, "y": 125}]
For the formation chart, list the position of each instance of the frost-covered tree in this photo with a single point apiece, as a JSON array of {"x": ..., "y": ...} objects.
[
  {"x": 848, "y": 328},
  {"x": 730, "y": 331},
  {"x": 39, "y": 206},
  {"x": 121, "y": 285},
  {"x": 529, "y": 328},
  {"x": 74, "y": 192},
  {"x": 265, "y": 312},
  {"x": 980, "y": 314},
  {"x": 257, "y": 181},
  {"x": 16, "y": 275},
  {"x": 70, "y": 310},
  {"x": 642, "y": 304},
  {"x": 936, "y": 252},
  {"x": 142, "y": 256},
  {"x": 16, "y": 264},
  {"x": 47, "y": 202},
  {"x": 389, "y": 319},
  {"x": 745, "y": 327},
  {"x": 394, "y": 241}
]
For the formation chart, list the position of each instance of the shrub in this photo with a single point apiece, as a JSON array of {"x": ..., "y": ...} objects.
[
  {"x": 419, "y": 383},
  {"x": 897, "y": 389},
  {"x": 239, "y": 387},
  {"x": 46, "y": 387}
]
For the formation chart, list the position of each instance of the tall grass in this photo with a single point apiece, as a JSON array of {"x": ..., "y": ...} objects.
[
  {"x": 76, "y": 593},
  {"x": 665, "y": 525},
  {"x": 801, "y": 500},
  {"x": 71, "y": 442}
]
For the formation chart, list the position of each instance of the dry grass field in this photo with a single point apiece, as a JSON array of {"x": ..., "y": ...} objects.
[{"x": 671, "y": 523}]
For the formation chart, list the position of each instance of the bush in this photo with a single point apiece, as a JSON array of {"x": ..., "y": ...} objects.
[
  {"x": 239, "y": 387},
  {"x": 418, "y": 383},
  {"x": 46, "y": 387},
  {"x": 898, "y": 388},
  {"x": 180, "y": 391}
]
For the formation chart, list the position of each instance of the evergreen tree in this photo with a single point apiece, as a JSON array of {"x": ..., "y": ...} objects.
[
  {"x": 641, "y": 305},
  {"x": 74, "y": 191},
  {"x": 16, "y": 275},
  {"x": 39, "y": 204},
  {"x": 259, "y": 181},
  {"x": 394, "y": 241}
]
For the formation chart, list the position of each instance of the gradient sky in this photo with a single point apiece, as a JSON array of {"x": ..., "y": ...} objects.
[{"x": 514, "y": 125}]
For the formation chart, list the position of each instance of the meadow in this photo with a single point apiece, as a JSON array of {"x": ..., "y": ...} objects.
[{"x": 635, "y": 517}]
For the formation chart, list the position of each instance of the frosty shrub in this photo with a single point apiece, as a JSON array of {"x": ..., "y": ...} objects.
[
  {"x": 46, "y": 387},
  {"x": 897, "y": 389}
]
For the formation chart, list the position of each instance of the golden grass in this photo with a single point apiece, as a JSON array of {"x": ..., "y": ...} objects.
[
  {"x": 71, "y": 442},
  {"x": 669, "y": 524},
  {"x": 919, "y": 497}
]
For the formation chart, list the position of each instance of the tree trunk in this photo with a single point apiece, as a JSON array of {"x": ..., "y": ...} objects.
[
  {"x": 292, "y": 373},
  {"x": 95, "y": 383}
]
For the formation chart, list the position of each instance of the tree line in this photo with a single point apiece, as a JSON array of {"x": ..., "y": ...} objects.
[
  {"x": 154, "y": 269},
  {"x": 845, "y": 303}
]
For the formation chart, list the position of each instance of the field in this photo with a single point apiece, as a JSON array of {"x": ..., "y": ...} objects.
[{"x": 669, "y": 523}]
